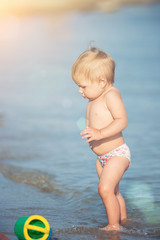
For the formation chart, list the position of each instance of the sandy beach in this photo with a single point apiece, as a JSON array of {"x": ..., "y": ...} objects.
[{"x": 31, "y": 7}]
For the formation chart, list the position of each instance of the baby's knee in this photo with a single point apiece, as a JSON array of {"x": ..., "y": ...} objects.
[{"x": 104, "y": 189}]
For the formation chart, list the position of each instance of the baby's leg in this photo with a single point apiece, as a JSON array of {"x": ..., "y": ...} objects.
[
  {"x": 109, "y": 180},
  {"x": 123, "y": 211},
  {"x": 99, "y": 168}
]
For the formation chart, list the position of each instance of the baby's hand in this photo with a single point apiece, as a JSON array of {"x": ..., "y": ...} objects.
[{"x": 91, "y": 134}]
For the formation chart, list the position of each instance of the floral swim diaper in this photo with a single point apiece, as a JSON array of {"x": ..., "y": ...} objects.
[{"x": 121, "y": 151}]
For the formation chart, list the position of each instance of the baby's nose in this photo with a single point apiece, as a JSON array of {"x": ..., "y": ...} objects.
[{"x": 80, "y": 90}]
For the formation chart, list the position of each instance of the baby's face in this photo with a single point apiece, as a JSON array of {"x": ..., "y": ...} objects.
[{"x": 90, "y": 90}]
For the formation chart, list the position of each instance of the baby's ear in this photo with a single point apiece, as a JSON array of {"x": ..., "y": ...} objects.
[{"x": 102, "y": 82}]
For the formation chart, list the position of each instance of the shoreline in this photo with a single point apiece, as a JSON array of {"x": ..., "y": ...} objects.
[{"x": 52, "y": 6}]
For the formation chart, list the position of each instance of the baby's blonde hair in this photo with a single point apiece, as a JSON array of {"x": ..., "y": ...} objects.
[{"x": 93, "y": 65}]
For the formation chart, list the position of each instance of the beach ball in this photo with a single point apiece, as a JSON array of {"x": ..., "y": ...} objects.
[{"x": 33, "y": 227}]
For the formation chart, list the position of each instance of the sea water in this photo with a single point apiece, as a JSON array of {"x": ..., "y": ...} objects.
[{"x": 45, "y": 166}]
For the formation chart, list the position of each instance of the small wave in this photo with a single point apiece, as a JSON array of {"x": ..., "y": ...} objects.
[
  {"x": 101, "y": 234},
  {"x": 33, "y": 177},
  {"x": 138, "y": 229},
  {"x": 78, "y": 230}
]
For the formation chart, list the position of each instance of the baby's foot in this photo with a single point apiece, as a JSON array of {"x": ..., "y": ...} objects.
[
  {"x": 125, "y": 221},
  {"x": 111, "y": 228}
]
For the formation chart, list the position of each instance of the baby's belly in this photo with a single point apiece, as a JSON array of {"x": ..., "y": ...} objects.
[{"x": 104, "y": 146}]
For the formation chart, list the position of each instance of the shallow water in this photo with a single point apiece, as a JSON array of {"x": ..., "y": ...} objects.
[{"x": 45, "y": 167}]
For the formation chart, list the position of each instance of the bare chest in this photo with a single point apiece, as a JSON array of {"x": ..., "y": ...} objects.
[{"x": 98, "y": 115}]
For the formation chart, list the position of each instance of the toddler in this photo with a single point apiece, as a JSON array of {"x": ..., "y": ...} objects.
[{"x": 106, "y": 117}]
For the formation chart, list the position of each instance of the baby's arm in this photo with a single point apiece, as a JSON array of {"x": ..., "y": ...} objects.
[{"x": 116, "y": 106}]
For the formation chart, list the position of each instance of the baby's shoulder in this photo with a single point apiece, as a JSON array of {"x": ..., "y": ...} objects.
[
  {"x": 112, "y": 97},
  {"x": 112, "y": 92}
]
